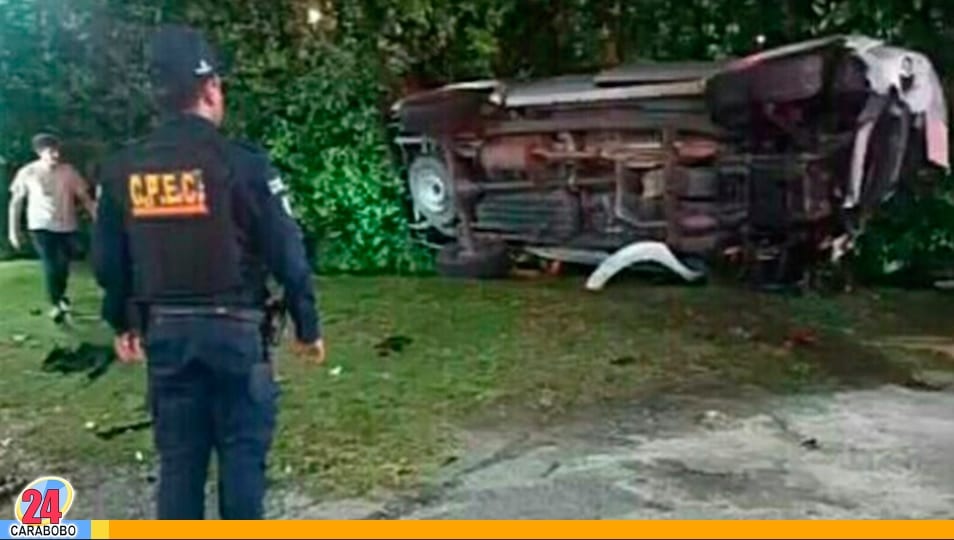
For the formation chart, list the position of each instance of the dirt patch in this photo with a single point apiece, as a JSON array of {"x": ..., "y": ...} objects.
[{"x": 879, "y": 453}]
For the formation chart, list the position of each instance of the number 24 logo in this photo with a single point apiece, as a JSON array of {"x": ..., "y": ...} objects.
[{"x": 42, "y": 506}]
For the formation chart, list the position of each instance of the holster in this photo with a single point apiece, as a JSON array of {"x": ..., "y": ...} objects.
[{"x": 273, "y": 327}]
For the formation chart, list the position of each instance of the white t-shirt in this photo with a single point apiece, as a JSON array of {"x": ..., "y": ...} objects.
[{"x": 51, "y": 194}]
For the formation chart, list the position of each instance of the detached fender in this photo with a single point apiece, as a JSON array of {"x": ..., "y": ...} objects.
[{"x": 638, "y": 252}]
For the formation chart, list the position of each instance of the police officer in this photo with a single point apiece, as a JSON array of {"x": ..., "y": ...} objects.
[{"x": 189, "y": 227}]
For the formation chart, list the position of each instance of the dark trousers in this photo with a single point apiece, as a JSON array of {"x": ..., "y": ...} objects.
[
  {"x": 211, "y": 387},
  {"x": 55, "y": 250}
]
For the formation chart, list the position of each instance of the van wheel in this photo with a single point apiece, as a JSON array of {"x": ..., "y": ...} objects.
[{"x": 489, "y": 260}]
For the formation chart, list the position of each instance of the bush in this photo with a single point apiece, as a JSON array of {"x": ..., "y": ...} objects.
[
  {"x": 911, "y": 241},
  {"x": 329, "y": 140}
]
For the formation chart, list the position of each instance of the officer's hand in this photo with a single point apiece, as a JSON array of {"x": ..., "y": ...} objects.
[
  {"x": 128, "y": 348},
  {"x": 314, "y": 351},
  {"x": 14, "y": 241}
]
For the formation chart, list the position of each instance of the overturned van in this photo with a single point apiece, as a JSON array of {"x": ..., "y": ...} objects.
[{"x": 773, "y": 160}]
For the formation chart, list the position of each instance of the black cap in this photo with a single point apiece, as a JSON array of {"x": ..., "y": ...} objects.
[{"x": 180, "y": 58}]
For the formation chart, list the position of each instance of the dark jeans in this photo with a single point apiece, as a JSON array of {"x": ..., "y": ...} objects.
[
  {"x": 55, "y": 250},
  {"x": 210, "y": 387}
]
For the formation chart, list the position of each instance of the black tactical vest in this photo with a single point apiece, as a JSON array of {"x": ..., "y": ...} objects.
[{"x": 177, "y": 194}]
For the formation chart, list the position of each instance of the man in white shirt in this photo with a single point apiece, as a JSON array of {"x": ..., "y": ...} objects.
[{"x": 50, "y": 190}]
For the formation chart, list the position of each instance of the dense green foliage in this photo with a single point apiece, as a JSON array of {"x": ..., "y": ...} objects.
[{"x": 312, "y": 79}]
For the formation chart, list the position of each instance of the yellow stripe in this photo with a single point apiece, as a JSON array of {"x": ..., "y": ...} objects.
[
  {"x": 533, "y": 529},
  {"x": 163, "y": 211},
  {"x": 99, "y": 529}
]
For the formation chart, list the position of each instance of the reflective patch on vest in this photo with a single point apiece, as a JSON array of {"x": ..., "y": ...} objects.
[
  {"x": 276, "y": 186},
  {"x": 171, "y": 194}
]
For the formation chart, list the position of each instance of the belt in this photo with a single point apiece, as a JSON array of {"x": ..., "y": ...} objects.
[{"x": 252, "y": 315}]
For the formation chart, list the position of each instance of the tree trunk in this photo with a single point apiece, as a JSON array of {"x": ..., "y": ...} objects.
[
  {"x": 790, "y": 21},
  {"x": 610, "y": 27},
  {"x": 559, "y": 25}
]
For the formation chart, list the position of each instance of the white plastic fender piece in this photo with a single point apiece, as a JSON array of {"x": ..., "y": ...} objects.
[{"x": 638, "y": 252}]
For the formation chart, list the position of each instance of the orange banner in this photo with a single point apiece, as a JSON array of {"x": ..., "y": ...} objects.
[{"x": 532, "y": 529}]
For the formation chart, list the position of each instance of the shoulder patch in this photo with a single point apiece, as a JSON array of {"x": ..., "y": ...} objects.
[{"x": 277, "y": 186}]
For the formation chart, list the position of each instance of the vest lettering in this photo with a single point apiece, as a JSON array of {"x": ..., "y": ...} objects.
[
  {"x": 136, "y": 191},
  {"x": 174, "y": 194},
  {"x": 188, "y": 189},
  {"x": 152, "y": 188},
  {"x": 170, "y": 190}
]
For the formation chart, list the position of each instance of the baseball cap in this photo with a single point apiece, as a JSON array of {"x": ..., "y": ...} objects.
[{"x": 180, "y": 57}]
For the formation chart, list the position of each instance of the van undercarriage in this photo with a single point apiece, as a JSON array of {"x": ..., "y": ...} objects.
[{"x": 773, "y": 161}]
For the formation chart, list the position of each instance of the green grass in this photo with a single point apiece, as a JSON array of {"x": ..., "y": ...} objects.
[{"x": 488, "y": 353}]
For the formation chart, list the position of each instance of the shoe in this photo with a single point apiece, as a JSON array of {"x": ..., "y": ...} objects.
[
  {"x": 57, "y": 315},
  {"x": 60, "y": 316},
  {"x": 66, "y": 305}
]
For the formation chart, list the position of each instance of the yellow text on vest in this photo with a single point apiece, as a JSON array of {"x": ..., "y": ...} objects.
[{"x": 167, "y": 194}]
